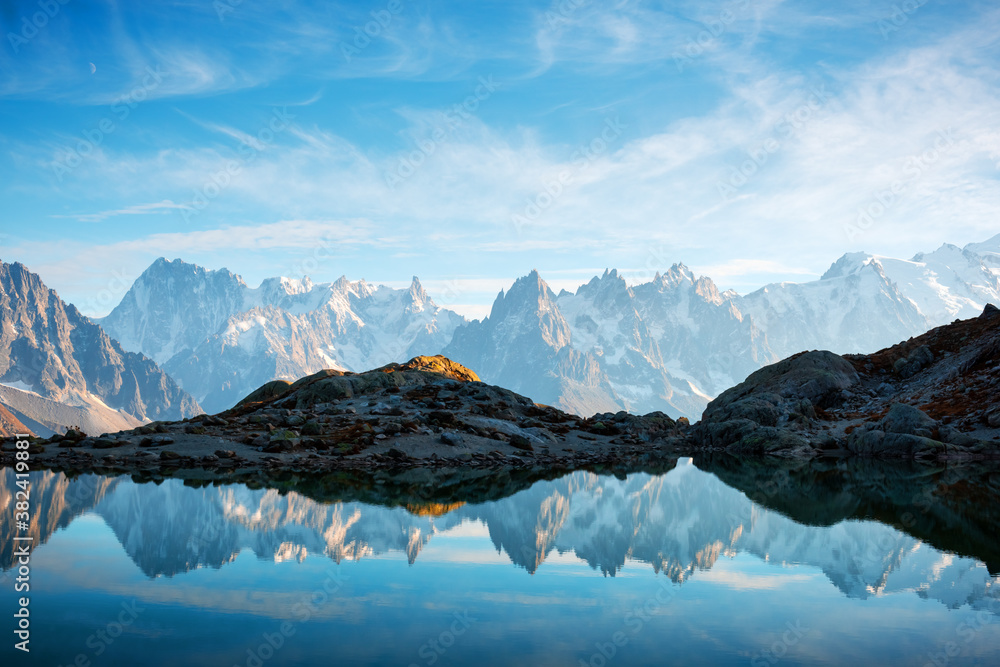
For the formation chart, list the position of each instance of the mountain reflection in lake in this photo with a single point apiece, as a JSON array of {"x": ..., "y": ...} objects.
[{"x": 701, "y": 572}]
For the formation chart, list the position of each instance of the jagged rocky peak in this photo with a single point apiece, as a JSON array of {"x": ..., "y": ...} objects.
[
  {"x": 676, "y": 275},
  {"x": 178, "y": 269},
  {"x": 528, "y": 294},
  {"x": 71, "y": 368},
  {"x": 608, "y": 293},
  {"x": 706, "y": 288},
  {"x": 417, "y": 293},
  {"x": 359, "y": 288},
  {"x": 287, "y": 286},
  {"x": 848, "y": 264},
  {"x": 17, "y": 276}
]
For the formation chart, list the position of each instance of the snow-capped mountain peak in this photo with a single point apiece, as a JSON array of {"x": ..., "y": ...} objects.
[{"x": 221, "y": 339}]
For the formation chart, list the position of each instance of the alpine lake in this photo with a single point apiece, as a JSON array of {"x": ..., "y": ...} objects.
[{"x": 702, "y": 562}]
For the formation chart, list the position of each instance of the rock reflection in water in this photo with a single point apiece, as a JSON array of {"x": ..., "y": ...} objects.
[{"x": 679, "y": 522}]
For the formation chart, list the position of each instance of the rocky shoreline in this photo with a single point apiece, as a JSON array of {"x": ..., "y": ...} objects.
[
  {"x": 934, "y": 397},
  {"x": 429, "y": 412}
]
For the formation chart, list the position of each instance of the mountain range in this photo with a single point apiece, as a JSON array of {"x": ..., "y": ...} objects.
[
  {"x": 671, "y": 344},
  {"x": 59, "y": 369},
  {"x": 185, "y": 338},
  {"x": 221, "y": 339}
]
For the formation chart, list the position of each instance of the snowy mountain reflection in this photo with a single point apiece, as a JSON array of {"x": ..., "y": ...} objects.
[{"x": 680, "y": 523}]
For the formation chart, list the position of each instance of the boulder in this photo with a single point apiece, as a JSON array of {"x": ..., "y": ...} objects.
[
  {"x": 908, "y": 420},
  {"x": 452, "y": 439},
  {"x": 312, "y": 428},
  {"x": 518, "y": 441},
  {"x": 909, "y": 366},
  {"x": 817, "y": 376},
  {"x": 754, "y": 415}
]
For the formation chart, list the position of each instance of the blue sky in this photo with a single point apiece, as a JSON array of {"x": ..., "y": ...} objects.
[{"x": 468, "y": 143}]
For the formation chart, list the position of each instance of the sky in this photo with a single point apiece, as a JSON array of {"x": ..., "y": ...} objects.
[{"x": 467, "y": 143}]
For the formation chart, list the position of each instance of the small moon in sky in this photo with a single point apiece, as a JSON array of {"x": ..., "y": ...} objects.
[{"x": 93, "y": 68}]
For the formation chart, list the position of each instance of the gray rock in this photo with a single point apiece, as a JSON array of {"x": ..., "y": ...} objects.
[
  {"x": 907, "y": 419},
  {"x": 818, "y": 376},
  {"x": 910, "y": 366},
  {"x": 953, "y": 436},
  {"x": 311, "y": 428},
  {"x": 453, "y": 439},
  {"x": 518, "y": 441}
]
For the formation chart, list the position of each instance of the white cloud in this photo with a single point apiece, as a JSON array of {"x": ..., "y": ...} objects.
[
  {"x": 659, "y": 189},
  {"x": 138, "y": 209}
]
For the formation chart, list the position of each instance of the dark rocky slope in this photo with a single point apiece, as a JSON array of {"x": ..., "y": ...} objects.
[
  {"x": 427, "y": 412},
  {"x": 11, "y": 425},
  {"x": 936, "y": 395}
]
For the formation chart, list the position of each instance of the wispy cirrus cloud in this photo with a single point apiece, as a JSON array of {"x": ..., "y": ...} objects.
[
  {"x": 138, "y": 209},
  {"x": 750, "y": 158}
]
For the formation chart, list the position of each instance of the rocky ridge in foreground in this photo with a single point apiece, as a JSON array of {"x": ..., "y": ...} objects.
[
  {"x": 936, "y": 395},
  {"x": 429, "y": 411}
]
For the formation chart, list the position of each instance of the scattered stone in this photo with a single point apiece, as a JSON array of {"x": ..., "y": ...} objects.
[
  {"x": 453, "y": 439},
  {"x": 311, "y": 428},
  {"x": 518, "y": 441}
]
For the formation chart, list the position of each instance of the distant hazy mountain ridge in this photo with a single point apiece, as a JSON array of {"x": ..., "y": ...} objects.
[{"x": 866, "y": 302}]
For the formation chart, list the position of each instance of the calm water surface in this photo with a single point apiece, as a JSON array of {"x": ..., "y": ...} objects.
[{"x": 586, "y": 569}]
